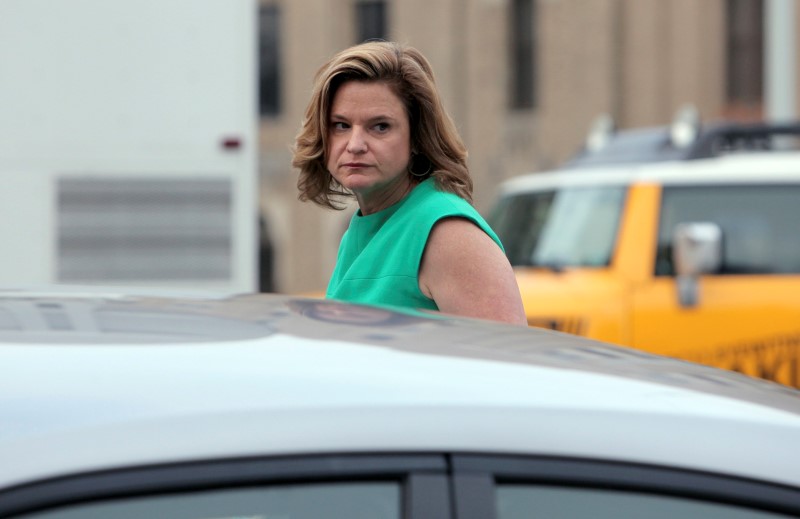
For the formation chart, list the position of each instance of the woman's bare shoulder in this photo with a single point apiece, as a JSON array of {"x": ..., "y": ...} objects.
[{"x": 467, "y": 273}]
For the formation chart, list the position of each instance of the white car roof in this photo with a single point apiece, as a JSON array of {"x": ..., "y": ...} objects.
[
  {"x": 745, "y": 168},
  {"x": 95, "y": 382}
]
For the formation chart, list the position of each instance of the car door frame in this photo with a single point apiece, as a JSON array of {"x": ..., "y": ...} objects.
[{"x": 435, "y": 485}]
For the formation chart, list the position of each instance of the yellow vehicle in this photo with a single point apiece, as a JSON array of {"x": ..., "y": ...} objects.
[{"x": 696, "y": 256}]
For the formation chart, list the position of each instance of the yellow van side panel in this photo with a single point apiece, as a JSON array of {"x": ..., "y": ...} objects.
[
  {"x": 746, "y": 323},
  {"x": 587, "y": 302}
]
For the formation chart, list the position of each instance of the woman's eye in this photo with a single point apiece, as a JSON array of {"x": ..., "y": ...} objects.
[
  {"x": 382, "y": 127},
  {"x": 339, "y": 126}
]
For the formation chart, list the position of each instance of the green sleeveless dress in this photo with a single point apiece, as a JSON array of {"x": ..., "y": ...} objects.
[{"x": 379, "y": 255}]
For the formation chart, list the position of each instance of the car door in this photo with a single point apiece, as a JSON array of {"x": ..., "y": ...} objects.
[{"x": 747, "y": 316}]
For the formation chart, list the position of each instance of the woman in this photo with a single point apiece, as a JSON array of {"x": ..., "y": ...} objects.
[{"x": 375, "y": 129}]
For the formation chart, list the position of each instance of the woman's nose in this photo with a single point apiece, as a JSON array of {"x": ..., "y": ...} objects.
[{"x": 356, "y": 143}]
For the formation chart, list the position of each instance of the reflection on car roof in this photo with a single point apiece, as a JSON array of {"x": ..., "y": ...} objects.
[{"x": 157, "y": 320}]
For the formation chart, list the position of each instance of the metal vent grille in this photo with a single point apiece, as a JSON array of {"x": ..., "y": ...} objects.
[
  {"x": 131, "y": 230},
  {"x": 7, "y": 321}
]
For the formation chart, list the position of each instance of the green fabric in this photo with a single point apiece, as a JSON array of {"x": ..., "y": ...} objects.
[{"x": 379, "y": 255}]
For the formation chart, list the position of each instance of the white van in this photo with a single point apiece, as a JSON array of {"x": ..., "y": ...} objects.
[{"x": 129, "y": 143}]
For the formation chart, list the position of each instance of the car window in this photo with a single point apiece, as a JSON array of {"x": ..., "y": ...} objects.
[
  {"x": 518, "y": 222},
  {"x": 373, "y": 500},
  {"x": 759, "y": 225},
  {"x": 569, "y": 227},
  {"x": 520, "y": 501}
]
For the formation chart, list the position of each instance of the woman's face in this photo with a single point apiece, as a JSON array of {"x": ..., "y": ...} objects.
[{"x": 369, "y": 143}]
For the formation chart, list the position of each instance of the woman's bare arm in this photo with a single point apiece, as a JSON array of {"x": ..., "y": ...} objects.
[{"x": 467, "y": 274}]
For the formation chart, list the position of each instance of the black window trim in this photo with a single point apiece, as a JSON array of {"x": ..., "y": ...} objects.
[
  {"x": 595, "y": 474},
  {"x": 423, "y": 477}
]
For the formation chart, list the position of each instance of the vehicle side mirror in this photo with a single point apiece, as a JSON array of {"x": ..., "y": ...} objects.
[{"x": 696, "y": 250}]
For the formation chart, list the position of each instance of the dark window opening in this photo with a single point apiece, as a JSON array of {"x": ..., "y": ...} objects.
[
  {"x": 522, "y": 25},
  {"x": 745, "y": 58},
  {"x": 371, "y": 20},
  {"x": 269, "y": 62}
]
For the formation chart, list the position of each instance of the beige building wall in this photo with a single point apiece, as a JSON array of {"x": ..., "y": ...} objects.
[{"x": 639, "y": 60}]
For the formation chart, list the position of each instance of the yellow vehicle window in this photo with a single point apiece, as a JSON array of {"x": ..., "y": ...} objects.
[
  {"x": 518, "y": 222},
  {"x": 758, "y": 222},
  {"x": 566, "y": 227}
]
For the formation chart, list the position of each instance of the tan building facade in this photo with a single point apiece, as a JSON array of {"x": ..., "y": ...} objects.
[{"x": 638, "y": 60}]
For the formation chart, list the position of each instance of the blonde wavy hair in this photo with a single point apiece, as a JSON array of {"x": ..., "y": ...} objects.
[{"x": 410, "y": 76}]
